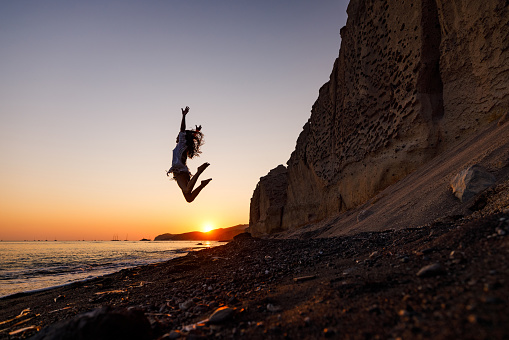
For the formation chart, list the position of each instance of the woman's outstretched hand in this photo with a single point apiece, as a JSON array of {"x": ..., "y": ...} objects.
[{"x": 183, "y": 123}]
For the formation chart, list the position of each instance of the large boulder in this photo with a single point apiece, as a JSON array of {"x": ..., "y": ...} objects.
[
  {"x": 100, "y": 324},
  {"x": 268, "y": 202},
  {"x": 471, "y": 181}
]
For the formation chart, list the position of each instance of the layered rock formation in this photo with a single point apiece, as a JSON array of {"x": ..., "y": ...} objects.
[
  {"x": 268, "y": 202},
  {"x": 412, "y": 79}
]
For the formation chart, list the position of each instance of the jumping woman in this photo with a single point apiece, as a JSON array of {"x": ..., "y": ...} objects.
[{"x": 188, "y": 145}]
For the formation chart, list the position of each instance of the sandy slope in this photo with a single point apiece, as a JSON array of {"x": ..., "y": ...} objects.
[{"x": 425, "y": 195}]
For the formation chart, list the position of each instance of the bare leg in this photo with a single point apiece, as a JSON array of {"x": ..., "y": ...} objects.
[
  {"x": 193, "y": 180},
  {"x": 183, "y": 182},
  {"x": 190, "y": 197},
  {"x": 187, "y": 184}
]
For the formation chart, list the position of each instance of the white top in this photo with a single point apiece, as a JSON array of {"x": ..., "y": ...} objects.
[{"x": 176, "y": 164}]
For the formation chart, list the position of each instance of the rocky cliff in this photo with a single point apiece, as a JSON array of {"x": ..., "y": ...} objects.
[{"x": 412, "y": 79}]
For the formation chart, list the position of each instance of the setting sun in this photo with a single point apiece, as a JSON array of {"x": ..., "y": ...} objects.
[{"x": 208, "y": 227}]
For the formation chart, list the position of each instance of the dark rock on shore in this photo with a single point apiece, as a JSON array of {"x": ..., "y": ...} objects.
[{"x": 100, "y": 324}]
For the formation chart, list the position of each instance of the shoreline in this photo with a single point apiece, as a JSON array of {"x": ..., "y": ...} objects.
[
  {"x": 179, "y": 252},
  {"x": 365, "y": 285}
]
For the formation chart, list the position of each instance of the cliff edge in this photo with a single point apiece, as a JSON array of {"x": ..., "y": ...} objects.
[{"x": 413, "y": 80}]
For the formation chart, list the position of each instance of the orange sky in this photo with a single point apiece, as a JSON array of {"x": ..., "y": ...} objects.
[
  {"x": 70, "y": 211},
  {"x": 90, "y": 99}
]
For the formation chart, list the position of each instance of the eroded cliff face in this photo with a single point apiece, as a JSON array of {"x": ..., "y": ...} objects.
[
  {"x": 412, "y": 79},
  {"x": 268, "y": 201}
]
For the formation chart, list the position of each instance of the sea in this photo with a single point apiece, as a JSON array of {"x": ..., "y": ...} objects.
[{"x": 38, "y": 265}]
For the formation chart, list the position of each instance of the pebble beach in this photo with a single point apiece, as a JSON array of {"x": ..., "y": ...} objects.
[{"x": 444, "y": 280}]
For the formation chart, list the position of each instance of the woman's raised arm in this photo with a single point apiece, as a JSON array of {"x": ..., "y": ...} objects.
[{"x": 183, "y": 123}]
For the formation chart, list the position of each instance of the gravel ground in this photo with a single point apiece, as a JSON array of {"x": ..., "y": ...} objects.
[{"x": 441, "y": 281}]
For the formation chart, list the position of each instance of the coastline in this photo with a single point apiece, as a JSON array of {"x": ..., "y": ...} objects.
[
  {"x": 370, "y": 284},
  {"x": 76, "y": 277}
]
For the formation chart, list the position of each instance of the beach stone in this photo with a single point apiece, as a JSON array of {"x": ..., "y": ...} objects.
[
  {"x": 233, "y": 300},
  {"x": 431, "y": 270},
  {"x": 221, "y": 315},
  {"x": 59, "y": 298},
  {"x": 100, "y": 324},
  {"x": 471, "y": 181},
  {"x": 201, "y": 308},
  {"x": 186, "y": 305},
  {"x": 274, "y": 308}
]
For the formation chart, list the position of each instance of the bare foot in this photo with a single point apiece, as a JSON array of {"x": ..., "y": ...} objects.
[
  {"x": 206, "y": 181},
  {"x": 202, "y": 167}
]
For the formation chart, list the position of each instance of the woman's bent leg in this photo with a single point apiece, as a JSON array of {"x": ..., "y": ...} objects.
[
  {"x": 192, "y": 196},
  {"x": 193, "y": 180},
  {"x": 187, "y": 183}
]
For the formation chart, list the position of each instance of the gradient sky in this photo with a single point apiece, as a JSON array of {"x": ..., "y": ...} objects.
[{"x": 90, "y": 98}]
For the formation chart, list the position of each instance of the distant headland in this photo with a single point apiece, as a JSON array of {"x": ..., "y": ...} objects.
[{"x": 220, "y": 234}]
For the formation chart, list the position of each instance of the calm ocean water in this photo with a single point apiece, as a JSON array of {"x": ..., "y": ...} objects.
[{"x": 27, "y": 266}]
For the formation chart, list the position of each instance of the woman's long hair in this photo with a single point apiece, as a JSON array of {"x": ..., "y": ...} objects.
[{"x": 194, "y": 140}]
